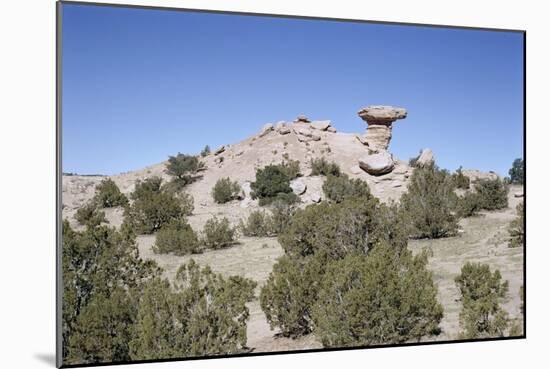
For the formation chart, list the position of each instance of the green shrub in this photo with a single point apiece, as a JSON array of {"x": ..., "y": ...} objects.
[
  {"x": 493, "y": 193},
  {"x": 336, "y": 229},
  {"x": 184, "y": 168},
  {"x": 289, "y": 293},
  {"x": 468, "y": 205},
  {"x": 429, "y": 203},
  {"x": 225, "y": 190},
  {"x": 205, "y": 314},
  {"x": 218, "y": 233},
  {"x": 291, "y": 168},
  {"x": 381, "y": 298},
  {"x": 258, "y": 224},
  {"x": 516, "y": 228},
  {"x": 281, "y": 215},
  {"x": 108, "y": 195},
  {"x": 205, "y": 151},
  {"x": 272, "y": 184},
  {"x": 321, "y": 166},
  {"x": 481, "y": 290},
  {"x": 178, "y": 237},
  {"x": 89, "y": 214},
  {"x": 461, "y": 181},
  {"x": 153, "y": 206},
  {"x": 517, "y": 172},
  {"x": 339, "y": 188}
]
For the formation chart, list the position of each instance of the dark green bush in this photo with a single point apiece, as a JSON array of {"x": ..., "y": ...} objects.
[
  {"x": 339, "y": 188},
  {"x": 468, "y": 205},
  {"x": 89, "y": 214},
  {"x": 184, "y": 168},
  {"x": 321, "y": 166},
  {"x": 429, "y": 203},
  {"x": 108, "y": 195},
  {"x": 281, "y": 215},
  {"x": 493, "y": 193},
  {"x": 289, "y": 294},
  {"x": 461, "y": 181},
  {"x": 516, "y": 228},
  {"x": 383, "y": 298},
  {"x": 517, "y": 172},
  {"x": 178, "y": 237},
  {"x": 153, "y": 206},
  {"x": 205, "y": 314},
  {"x": 225, "y": 190},
  {"x": 258, "y": 224},
  {"x": 205, "y": 151},
  {"x": 272, "y": 184},
  {"x": 481, "y": 290},
  {"x": 218, "y": 233}
]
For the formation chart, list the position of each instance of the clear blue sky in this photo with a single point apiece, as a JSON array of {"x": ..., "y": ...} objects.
[{"x": 139, "y": 85}]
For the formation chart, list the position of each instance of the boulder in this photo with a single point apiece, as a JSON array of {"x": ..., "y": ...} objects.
[
  {"x": 518, "y": 194},
  {"x": 298, "y": 186},
  {"x": 321, "y": 125},
  {"x": 377, "y": 164},
  {"x": 302, "y": 118},
  {"x": 331, "y": 129},
  {"x": 219, "y": 150},
  {"x": 267, "y": 128},
  {"x": 425, "y": 158},
  {"x": 382, "y": 114},
  {"x": 315, "y": 197},
  {"x": 282, "y": 128}
]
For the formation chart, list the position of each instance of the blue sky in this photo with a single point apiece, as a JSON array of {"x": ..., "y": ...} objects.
[{"x": 139, "y": 85}]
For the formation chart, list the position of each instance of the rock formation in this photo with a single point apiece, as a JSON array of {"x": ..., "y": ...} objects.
[
  {"x": 425, "y": 158},
  {"x": 377, "y": 138}
]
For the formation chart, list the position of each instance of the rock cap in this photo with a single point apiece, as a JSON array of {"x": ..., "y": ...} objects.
[{"x": 382, "y": 114}]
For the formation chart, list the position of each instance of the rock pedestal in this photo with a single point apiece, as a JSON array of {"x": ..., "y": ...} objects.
[{"x": 379, "y": 119}]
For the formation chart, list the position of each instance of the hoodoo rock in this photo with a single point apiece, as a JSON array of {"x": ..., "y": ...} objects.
[
  {"x": 379, "y": 119},
  {"x": 377, "y": 164}
]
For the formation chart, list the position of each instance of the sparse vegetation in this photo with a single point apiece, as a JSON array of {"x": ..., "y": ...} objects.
[
  {"x": 461, "y": 181},
  {"x": 321, "y": 166},
  {"x": 468, "y": 205},
  {"x": 184, "y": 168},
  {"x": 226, "y": 190},
  {"x": 217, "y": 233},
  {"x": 177, "y": 237},
  {"x": 291, "y": 168},
  {"x": 429, "y": 203},
  {"x": 481, "y": 291},
  {"x": 339, "y": 188},
  {"x": 493, "y": 193},
  {"x": 90, "y": 215},
  {"x": 517, "y": 172},
  {"x": 516, "y": 229},
  {"x": 108, "y": 195},
  {"x": 272, "y": 183},
  {"x": 206, "y": 151},
  {"x": 258, "y": 224}
]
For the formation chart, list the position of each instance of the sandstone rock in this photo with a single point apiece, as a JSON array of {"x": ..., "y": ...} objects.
[
  {"x": 378, "y": 137},
  {"x": 331, "y": 129},
  {"x": 267, "y": 128},
  {"x": 382, "y": 114},
  {"x": 356, "y": 169},
  {"x": 377, "y": 164},
  {"x": 396, "y": 184},
  {"x": 302, "y": 118},
  {"x": 315, "y": 197},
  {"x": 425, "y": 158},
  {"x": 298, "y": 186},
  {"x": 219, "y": 150},
  {"x": 518, "y": 194},
  {"x": 282, "y": 128},
  {"x": 321, "y": 125},
  {"x": 475, "y": 175}
]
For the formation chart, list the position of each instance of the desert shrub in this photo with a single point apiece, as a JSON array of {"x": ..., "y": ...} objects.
[
  {"x": 516, "y": 229},
  {"x": 108, "y": 195},
  {"x": 468, "y": 205},
  {"x": 321, "y": 166},
  {"x": 89, "y": 214},
  {"x": 205, "y": 151},
  {"x": 336, "y": 229},
  {"x": 291, "y": 168},
  {"x": 281, "y": 215},
  {"x": 481, "y": 290},
  {"x": 153, "y": 206},
  {"x": 204, "y": 314},
  {"x": 338, "y": 188},
  {"x": 218, "y": 233},
  {"x": 272, "y": 184},
  {"x": 289, "y": 293},
  {"x": 258, "y": 224},
  {"x": 178, "y": 237},
  {"x": 493, "y": 193},
  {"x": 413, "y": 162},
  {"x": 429, "y": 203},
  {"x": 461, "y": 181},
  {"x": 184, "y": 168},
  {"x": 225, "y": 190},
  {"x": 517, "y": 172},
  {"x": 385, "y": 297}
]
